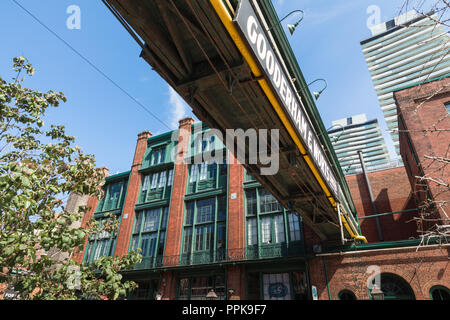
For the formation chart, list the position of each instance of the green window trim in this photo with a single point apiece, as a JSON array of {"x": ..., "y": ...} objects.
[
  {"x": 114, "y": 196},
  {"x": 204, "y": 234},
  {"x": 156, "y": 186},
  {"x": 102, "y": 244},
  {"x": 394, "y": 287},
  {"x": 149, "y": 234},
  {"x": 275, "y": 235},
  {"x": 439, "y": 293},
  {"x": 206, "y": 176}
]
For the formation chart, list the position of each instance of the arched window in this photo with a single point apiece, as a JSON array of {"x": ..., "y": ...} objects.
[
  {"x": 394, "y": 288},
  {"x": 439, "y": 293},
  {"x": 346, "y": 295}
]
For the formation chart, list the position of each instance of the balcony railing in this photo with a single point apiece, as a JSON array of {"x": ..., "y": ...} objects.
[{"x": 268, "y": 251}]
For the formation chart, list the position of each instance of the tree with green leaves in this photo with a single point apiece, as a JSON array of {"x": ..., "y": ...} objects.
[{"x": 39, "y": 167}]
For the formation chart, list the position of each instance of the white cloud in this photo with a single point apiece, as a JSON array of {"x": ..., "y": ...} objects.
[
  {"x": 319, "y": 15},
  {"x": 178, "y": 110}
]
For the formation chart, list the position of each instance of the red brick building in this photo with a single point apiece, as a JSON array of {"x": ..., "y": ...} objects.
[
  {"x": 210, "y": 226},
  {"x": 201, "y": 227},
  {"x": 408, "y": 269},
  {"x": 424, "y": 125}
]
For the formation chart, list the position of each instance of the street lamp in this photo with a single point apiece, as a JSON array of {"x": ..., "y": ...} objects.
[
  {"x": 315, "y": 93},
  {"x": 291, "y": 27},
  {"x": 376, "y": 293},
  {"x": 211, "y": 295},
  {"x": 342, "y": 132}
]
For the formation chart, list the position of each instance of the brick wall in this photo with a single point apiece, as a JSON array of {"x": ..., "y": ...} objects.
[
  {"x": 92, "y": 205},
  {"x": 236, "y": 206},
  {"x": 236, "y": 282},
  {"x": 424, "y": 118},
  {"x": 392, "y": 192},
  {"x": 134, "y": 184},
  {"x": 421, "y": 270},
  {"x": 175, "y": 224}
]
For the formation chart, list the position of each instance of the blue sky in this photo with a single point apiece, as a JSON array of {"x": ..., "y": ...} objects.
[{"x": 106, "y": 122}]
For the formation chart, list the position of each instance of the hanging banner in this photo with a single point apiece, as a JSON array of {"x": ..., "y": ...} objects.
[{"x": 249, "y": 24}]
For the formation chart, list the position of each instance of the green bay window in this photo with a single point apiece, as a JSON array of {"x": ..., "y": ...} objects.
[
  {"x": 114, "y": 195},
  {"x": 100, "y": 244},
  {"x": 204, "y": 231},
  {"x": 271, "y": 230},
  {"x": 156, "y": 186},
  {"x": 149, "y": 234},
  {"x": 158, "y": 156},
  {"x": 207, "y": 175}
]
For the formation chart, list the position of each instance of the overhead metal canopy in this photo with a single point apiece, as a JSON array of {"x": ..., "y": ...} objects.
[{"x": 205, "y": 56}]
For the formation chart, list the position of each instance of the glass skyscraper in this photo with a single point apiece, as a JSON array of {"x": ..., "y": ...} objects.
[
  {"x": 349, "y": 135},
  {"x": 403, "y": 51}
]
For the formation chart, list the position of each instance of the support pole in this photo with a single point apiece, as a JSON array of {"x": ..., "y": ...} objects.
[
  {"x": 340, "y": 223},
  {"x": 374, "y": 207}
]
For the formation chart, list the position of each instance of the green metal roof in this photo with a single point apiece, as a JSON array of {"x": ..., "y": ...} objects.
[
  {"x": 117, "y": 176},
  {"x": 422, "y": 82}
]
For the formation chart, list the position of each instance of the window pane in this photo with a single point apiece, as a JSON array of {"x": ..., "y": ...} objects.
[
  {"x": 114, "y": 191},
  {"x": 98, "y": 250},
  {"x": 252, "y": 236},
  {"x": 187, "y": 240},
  {"x": 266, "y": 236},
  {"x": 151, "y": 220},
  {"x": 251, "y": 202},
  {"x": 162, "y": 179},
  {"x": 137, "y": 225},
  {"x": 212, "y": 170},
  {"x": 154, "y": 181},
  {"x": 206, "y": 210},
  {"x": 268, "y": 203},
  {"x": 134, "y": 243},
  {"x": 164, "y": 218},
  {"x": 163, "y": 155},
  {"x": 199, "y": 238},
  {"x": 170, "y": 178},
  {"x": 146, "y": 182},
  {"x": 145, "y": 244},
  {"x": 155, "y": 156},
  {"x": 222, "y": 209},
  {"x": 152, "y": 244},
  {"x": 162, "y": 238},
  {"x": 89, "y": 250},
  {"x": 279, "y": 229},
  {"x": 203, "y": 171},
  {"x": 194, "y": 171},
  {"x": 294, "y": 227},
  {"x": 221, "y": 235},
  {"x": 189, "y": 212},
  {"x": 209, "y": 244}
]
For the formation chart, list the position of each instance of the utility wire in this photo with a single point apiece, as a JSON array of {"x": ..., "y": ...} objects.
[{"x": 92, "y": 64}]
